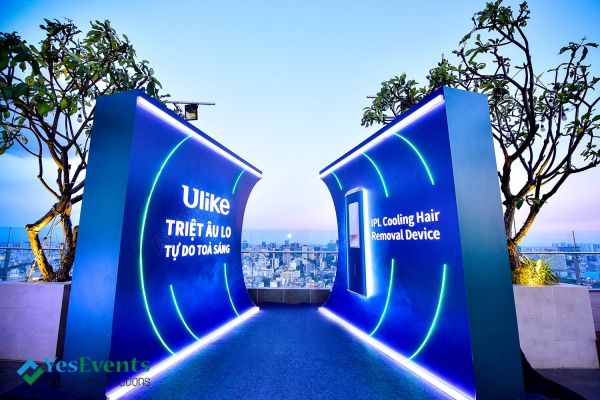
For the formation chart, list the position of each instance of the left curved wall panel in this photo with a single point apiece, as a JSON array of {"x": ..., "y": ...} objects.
[{"x": 158, "y": 261}]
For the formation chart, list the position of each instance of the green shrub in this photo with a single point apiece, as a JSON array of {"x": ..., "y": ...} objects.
[{"x": 533, "y": 273}]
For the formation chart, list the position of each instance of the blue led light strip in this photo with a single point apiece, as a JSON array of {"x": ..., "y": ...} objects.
[
  {"x": 236, "y": 181},
  {"x": 418, "y": 153},
  {"x": 211, "y": 144},
  {"x": 435, "y": 317},
  {"x": 140, "y": 255},
  {"x": 228, "y": 292},
  {"x": 180, "y": 314},
  {"x": 412, "y": 366},
  {"x": 385, "y": 189},
  {"x": 387, "y": 300},
  {"x": 157, "y": 369},
  {"x": 394, "y": 127},
  {"x": 337, "y": 180}
]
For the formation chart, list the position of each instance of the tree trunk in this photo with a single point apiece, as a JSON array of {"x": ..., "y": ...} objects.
[
  {"x": 513, "y": 253},
  {"x": 62, "y": 209},
  {"x": 70, "y": 236},
  {"x": 513, "y": 249},
  {"x": 33, "y": 231}
]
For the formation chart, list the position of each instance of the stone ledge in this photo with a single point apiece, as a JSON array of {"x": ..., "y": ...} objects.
[{"x": 556, "y": 326}]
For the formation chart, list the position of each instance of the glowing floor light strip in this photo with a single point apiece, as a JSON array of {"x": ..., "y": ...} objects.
[
  {"x": 180, "y": 314},
  {"x": 337, "y": 180},
  {"x": 435, "y": 317},
  {"x": 228, "y": 292},
  {"x": 387, "y": 300},
  {"x": 416, "y": 369},
  {"x": 395, "y": 128},
  {"x": 385, "y": 189},
  {"x": 237, "y": 180},
  {"x": 187, "y": 130},
  {"x": 183, "y": 354}
]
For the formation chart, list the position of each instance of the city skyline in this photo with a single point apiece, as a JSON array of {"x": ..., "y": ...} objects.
[
  {"x": 290, "y": 82},
  {"x": 305, "y": 260}
]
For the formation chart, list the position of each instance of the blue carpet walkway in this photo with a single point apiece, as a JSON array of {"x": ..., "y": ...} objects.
[{"x": 287, "y": 352}]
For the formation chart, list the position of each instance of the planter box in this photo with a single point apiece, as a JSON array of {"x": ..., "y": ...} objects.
[
  {"x": 556, "y": 327},
  {"x": 33, "y": 317}
]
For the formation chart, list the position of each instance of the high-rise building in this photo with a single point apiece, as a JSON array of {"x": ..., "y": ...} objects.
[
  {"x": 274, "y": 263},
  {"x": 287, "y": 257},
  {"x": 305, "y": 251}
]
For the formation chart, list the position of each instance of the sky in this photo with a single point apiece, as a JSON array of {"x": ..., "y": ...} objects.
[{"x": 290, "y": 80}]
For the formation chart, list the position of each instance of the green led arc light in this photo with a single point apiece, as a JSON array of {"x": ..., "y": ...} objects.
[
  {"x": 180, "y": 314},
  {"x": 418, "y": 153},
  {"x": 435, "y": 317},
  {"x": 236, "y": 181},
  {"x": 228, "y": 292},
  {"x": 140, "y": 256},
  {"x": 378, "y": 173},
  {"x": 337, "y": 180},
  {"x": 387, "y": 300}
]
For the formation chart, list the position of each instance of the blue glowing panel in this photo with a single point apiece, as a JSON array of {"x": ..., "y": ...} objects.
[
  {"x": 429, "y": 234},
  {"x": 158, "y": 261}
]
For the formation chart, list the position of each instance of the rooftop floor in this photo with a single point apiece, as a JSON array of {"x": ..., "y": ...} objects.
[
  {"x": 284, "y": 352},
  {"x": 288, "y": 353}
]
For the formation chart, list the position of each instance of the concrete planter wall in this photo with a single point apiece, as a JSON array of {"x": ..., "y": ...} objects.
[
  {"x": 556, "y": 326},
  {"x": 32, "y": 319}
]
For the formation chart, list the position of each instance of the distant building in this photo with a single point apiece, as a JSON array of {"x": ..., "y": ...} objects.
[
  {"x": 287, "y": 257},
  {"x": 295, "y": 264},
  {"x": 274, "y": 263}
]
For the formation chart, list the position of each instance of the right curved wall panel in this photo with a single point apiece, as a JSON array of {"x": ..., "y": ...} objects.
[{"x": 423, "y": 267}]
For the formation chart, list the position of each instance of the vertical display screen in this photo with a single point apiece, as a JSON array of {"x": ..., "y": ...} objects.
[
  {"x": 356, "y": 269},
  {"x": 353, "y": 225}
]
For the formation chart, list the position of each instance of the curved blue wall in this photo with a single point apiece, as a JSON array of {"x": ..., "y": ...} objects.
[
  {"x": 422, "y": 293},
  {"x": 158, "y": 263}
]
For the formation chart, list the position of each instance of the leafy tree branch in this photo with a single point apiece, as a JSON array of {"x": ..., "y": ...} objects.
[
  {"x": 47, "y": 104},
  {"x": 544, "y": 123}
]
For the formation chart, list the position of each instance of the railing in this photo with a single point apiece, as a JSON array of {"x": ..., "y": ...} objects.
[
  {"x": 312, "y": 269},
  {"x": 289, "y": 269},
  {"x": 286, "y": 269},
  {"x": 576, "y": 267},
  {"x": 16, "y": 262}
]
